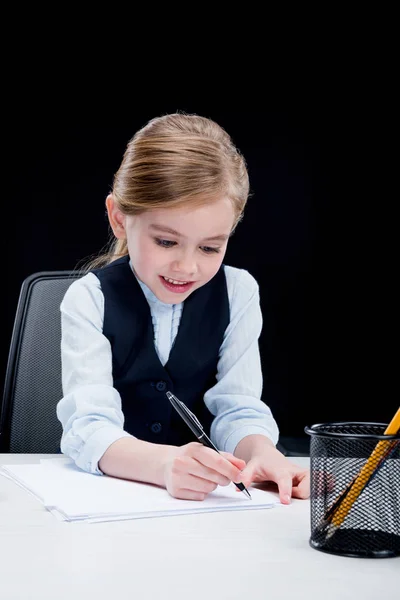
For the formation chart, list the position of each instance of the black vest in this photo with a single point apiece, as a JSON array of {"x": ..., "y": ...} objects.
[{"x": 138, "y": 373}]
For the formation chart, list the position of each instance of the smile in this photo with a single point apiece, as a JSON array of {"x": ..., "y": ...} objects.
[
  {"x": 176, "y": 286},
  {"x": 174, "y": 281}
]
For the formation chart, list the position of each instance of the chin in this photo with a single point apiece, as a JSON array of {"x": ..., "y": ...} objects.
[{"x": 173, "y": 298}]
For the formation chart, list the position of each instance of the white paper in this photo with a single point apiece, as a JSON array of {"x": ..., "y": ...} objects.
[{"x": 74, "y": 495}]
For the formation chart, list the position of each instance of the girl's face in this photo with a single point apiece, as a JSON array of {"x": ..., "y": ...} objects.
[{"x": 174, "y": 251}]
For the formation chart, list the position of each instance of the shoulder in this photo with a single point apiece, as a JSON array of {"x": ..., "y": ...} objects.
[
  {"x": 242, "y": 288},
  {"x": 84, "y": 290},
  {"x": 240, "y": 281}
]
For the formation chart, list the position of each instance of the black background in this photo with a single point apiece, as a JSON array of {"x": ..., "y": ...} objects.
[{"x": 315, "y": 234}]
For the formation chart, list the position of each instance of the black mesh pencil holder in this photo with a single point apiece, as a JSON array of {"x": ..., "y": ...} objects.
[{"x": 355, "y": 489}]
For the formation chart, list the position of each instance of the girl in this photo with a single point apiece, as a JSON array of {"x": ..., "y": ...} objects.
[{"x": 160, "y": 311}]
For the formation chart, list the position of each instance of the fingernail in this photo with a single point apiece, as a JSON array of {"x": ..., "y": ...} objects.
[{"x": 287, "y": 498}]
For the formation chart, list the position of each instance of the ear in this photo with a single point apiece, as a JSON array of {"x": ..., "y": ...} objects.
[{"x": 116, "y": 218}]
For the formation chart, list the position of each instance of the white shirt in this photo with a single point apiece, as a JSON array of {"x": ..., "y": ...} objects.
[{"x": 90, "y": 410}]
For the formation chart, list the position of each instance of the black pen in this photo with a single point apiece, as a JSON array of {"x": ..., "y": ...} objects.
[{"x": 192, "y": 421}]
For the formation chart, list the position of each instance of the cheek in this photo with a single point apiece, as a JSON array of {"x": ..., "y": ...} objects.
[
  {"x": 212, "y": 264},
  {"x": 141, "y": 252},
  {"x": 152, "y": 257}
]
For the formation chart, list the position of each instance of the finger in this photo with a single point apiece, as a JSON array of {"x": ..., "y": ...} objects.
[
  {"x": 284, "y": 484},
  {"x": 216, "y": 461},
  {"x": 198, "y": 469},
  {"x": 247, "y": 475},
  {"x": 184, "y": 494},
  {"x": 186, "y": 464},
  {"x": 302, "y": 489},
  {"x": 196, "y": 484},
  {"x": 190, "y": 495},
  {"x": 238, "y": 462}
]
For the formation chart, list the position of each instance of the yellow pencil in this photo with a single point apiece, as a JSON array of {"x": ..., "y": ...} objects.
[{"x": 381, "y": 449}]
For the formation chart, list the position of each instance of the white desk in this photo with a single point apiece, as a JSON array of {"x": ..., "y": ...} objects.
[{"x": 218, "y": 556}]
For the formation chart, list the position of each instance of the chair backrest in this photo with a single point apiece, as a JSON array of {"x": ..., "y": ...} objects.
[{"x": 28, "y": 420}]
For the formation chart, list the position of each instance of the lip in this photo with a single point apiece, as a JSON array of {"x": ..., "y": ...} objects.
[{"x": 176, "y": 289}]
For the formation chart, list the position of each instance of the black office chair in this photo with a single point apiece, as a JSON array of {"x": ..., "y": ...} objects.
[{"x": 28, "y": 420}]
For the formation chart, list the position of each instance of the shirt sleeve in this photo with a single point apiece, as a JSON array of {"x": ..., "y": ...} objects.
[
  {"x": 90, "y": 411},
  {"x": 235, "y": 400}
]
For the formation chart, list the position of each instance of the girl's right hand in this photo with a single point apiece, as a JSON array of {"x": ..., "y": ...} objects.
[{"x": 193, "y": 471}]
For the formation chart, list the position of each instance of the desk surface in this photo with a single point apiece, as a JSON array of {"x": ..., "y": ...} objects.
[{"x": 222, "y": 556}]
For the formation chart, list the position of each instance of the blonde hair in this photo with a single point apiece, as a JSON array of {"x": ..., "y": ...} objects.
[{"x": 175, "y": 159}]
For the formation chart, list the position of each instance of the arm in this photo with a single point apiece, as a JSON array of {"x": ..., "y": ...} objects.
[
  {"x": 235, "y": 400},
  {"x": 243, "y": 424},
  {"x": 130, "y": 458},
  {"x": 90, "y": 410}
]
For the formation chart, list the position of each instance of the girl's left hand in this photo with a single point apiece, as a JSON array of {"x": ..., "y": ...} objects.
[{"x": 272, "y": 465}]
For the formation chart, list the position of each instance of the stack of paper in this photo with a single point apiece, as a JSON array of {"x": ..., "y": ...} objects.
[{"x": 73, "y": 495}]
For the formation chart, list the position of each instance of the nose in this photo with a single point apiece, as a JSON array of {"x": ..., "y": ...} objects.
[{"x": 185, "y": 265}]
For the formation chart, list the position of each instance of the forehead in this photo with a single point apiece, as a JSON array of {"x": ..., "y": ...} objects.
[{"x": 206, "y": 220}]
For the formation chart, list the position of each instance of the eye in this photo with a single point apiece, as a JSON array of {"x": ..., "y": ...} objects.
[
  {"x": 164, "y": 243},
  {"x": 209, "y": 249}
]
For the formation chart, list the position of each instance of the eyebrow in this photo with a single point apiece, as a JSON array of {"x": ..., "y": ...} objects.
[{"x": 162, "y": 229}]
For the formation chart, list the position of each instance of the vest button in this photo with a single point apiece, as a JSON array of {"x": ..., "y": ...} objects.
[
  {"x": 156, "y": 427},
  {"x": 161, "y": 386}
]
